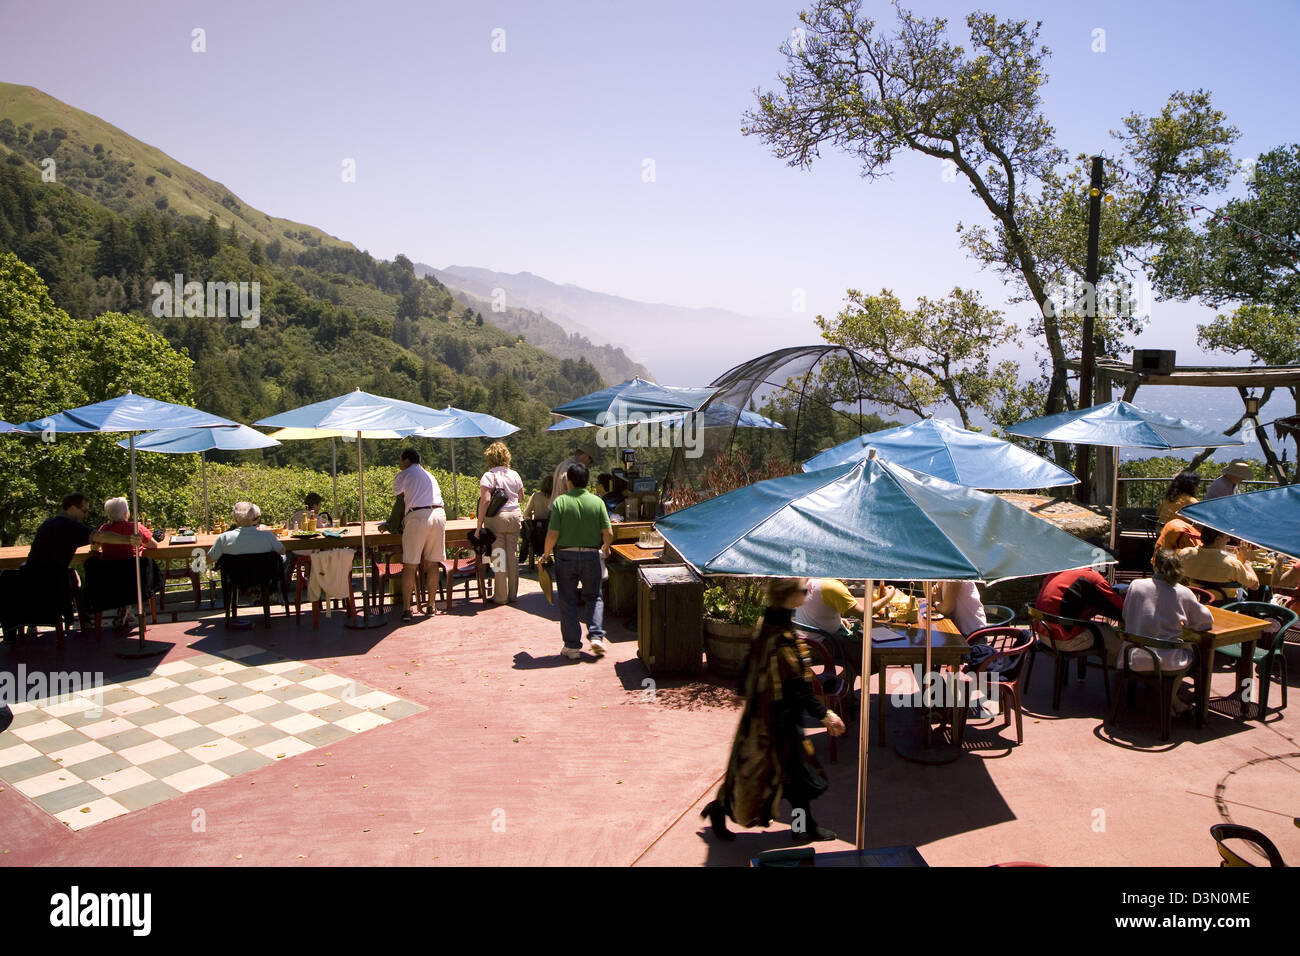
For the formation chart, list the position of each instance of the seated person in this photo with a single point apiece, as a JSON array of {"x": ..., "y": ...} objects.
[
  {"x": 1180, "y": 493},
  {"x": 312, "y": 502},
  {"x": 1219, "y": 567},
  {"x": 45, "y": 571},
  {"x": 1176, "y": 535},
  {"x": 1082, "y": 594},
  {"x": 537, "y": 514},
  {"x": 1161, "y": 607},
  {"x": 247, "y": 537},
  {"x": 1288, "y": 575},
  {"x": 118, "y": 513},
  {"x": 961, "y": 602},
  {"x": 829, "y": 602}
]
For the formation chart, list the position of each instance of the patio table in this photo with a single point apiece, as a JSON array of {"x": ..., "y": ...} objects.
[
  {"x": 1229, "y": 628},
  {"x": 907, "y": 647}
]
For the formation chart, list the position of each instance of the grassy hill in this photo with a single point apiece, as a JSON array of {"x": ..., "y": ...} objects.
[{"x": 125, "y": 175}]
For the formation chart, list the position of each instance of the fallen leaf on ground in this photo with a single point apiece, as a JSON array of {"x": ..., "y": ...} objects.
[{"x": 416, "y": 833}]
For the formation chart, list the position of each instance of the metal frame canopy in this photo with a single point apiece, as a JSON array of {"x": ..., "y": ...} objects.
[{"x": 794, "y": 377}]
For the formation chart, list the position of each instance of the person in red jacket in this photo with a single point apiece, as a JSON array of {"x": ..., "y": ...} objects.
[{"x": 1081, "y": 594}]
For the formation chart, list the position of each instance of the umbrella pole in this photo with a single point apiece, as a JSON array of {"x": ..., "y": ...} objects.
[
  {"x": 1114, "y": 516},
  {"x": 864, "y": 714},
  {"x": 135, "y": 513},
  {"x": 207, "y": 515},
  {"x": 334, "y": 471},
  {"x": 925, "y": 752},
  {"x": 365, "y": 620}
]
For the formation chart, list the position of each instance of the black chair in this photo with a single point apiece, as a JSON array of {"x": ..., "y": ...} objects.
[
  {"x": 35, "y": 597},
  {"x": 262, "y": 572},
  {"x": 1269, "y": 657},
  {"x": 1165, "y": 678},
  {"x": 110, "y": 585},
  {"x": 1049, "y": 629}
]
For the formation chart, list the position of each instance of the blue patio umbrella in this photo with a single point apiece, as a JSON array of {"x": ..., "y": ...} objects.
[
  {"x": 188, "y": 441},
  {"x": 634, "y": 397},
  {"x": 1268, "y": 518},
  {"x": 363, "y": 415},
  {"x": 954, "y": 454},
  {"x": 1118, "y": 424},
  {"x": 873, "y": 520},
  {"x": 465, "y": 424},
  {"x": 126, "y": 413},
  {"x": 5, "y": 427}
]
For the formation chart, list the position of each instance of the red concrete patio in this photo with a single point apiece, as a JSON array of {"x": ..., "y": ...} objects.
[{"x": 520, "y": 758}]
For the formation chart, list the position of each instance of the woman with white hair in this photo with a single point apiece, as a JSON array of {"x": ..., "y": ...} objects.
[
  {"x": 246, "y": 537},
  {"x": 118, "y": 513}
]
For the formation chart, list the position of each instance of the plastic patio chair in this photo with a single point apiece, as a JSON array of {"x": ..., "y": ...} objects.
[
  {"x": 1269, "y": 656},
  {"x": 998, "y": 615},
  {"x": 1051, "y": 628},
  {"x": 1165, "y": 678},
  {"x": 1234, "y": 831},
  {"x": 1011, "y": 648}
]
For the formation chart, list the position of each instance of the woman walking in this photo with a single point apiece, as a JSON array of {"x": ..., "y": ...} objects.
[
  {"x": 502, "y": 486},
  {"x": 770, "y": 757}
]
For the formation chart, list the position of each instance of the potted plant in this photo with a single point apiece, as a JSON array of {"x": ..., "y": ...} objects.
[{"x": 732, "y": 610}]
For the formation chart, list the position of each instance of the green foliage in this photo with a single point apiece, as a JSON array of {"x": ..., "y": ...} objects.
[
  {"x": 52, "y": 362},
  {"x": 1269, "y": 336},
  {"x": 1162, "y": 469},
  {"x": 735, "y": 600},
  {"x": 938, "y": 352}
]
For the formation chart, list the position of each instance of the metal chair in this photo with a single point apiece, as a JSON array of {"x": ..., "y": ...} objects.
[
  {"x": 1268, "y": 657},
  {"x": 1011, "y": 647},
  {"x": 998, "y": 615},
  {"x": 1163, "y": 676},
  {"x": 1049, "y": 629},
  {"x": 1234, "y": 831},
  {"x": 830, "y": 685}
]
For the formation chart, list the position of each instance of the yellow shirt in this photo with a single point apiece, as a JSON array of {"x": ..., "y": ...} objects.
[{"x": 1170, "y": 508}]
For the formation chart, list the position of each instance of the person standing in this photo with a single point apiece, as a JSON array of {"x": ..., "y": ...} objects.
[
  {"x": 1229, "y": 483},
  {"x": 424, "y": 526},
  {"x": 504, "y": 523},
  {"x": 580, "y": 535},
  {"x": 582, "y": 454},
  {"x": 770, "y": 757}
]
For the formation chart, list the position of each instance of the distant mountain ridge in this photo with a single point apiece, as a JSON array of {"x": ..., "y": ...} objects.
[
  {"x": 568, "y": 340},
  {"x": 678, "y": 342}
]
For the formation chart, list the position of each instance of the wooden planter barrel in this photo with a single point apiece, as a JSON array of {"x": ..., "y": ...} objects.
[{"x": 725, "y": 645}]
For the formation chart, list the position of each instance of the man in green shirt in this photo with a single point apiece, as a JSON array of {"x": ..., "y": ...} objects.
[{"x": 579, "y": 535}]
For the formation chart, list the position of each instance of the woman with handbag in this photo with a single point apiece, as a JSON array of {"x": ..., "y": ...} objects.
[{"x": 498, "y": 510}]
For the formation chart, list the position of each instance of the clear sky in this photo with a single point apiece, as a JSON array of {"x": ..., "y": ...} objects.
[{"x": 532, "y": 158}]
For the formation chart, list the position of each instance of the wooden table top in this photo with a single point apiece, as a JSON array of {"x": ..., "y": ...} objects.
[
  {"x": 945, "y": 641},
  {"x": 638, "y": 555},
  {"x": 1229, "y": 628},
  {"x": 457, "y": 534}
]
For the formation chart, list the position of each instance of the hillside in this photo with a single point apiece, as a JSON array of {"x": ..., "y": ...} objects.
[
  {"x": 332, "y": 318},
  {"x": 125, "y": 175},
  {"x": 652, "y": 333},
  {"x": 609, "y": 360}
]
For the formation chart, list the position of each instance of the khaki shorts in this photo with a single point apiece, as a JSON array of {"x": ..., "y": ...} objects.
[{"x": 424, "y": 536}]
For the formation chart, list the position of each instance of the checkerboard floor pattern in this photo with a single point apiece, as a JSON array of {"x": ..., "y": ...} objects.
[{"x": 181, "y": 726}]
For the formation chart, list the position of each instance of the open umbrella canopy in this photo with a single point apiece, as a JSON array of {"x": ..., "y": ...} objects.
[
  {"x": 466, "y": 424},
  {"x": 869, "y": 520},
  {"x": 634, "y": 397},
  {"x": 954, "y": 454},
  {"x": 1269, "y": 518},
  {"x": 126, "y": 413},
  {"x": 179, "y": 441},
  {"x": 6, "y": 427},
  {"x": 374, "y": 416},
  {"x": 1118, "y": 424}
]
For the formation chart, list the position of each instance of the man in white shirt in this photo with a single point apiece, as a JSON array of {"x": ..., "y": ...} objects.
[
  {"x": 424, "y": 526},
  {"x": 582, "y": 454},
  {"x": 1229, "y": 483}
]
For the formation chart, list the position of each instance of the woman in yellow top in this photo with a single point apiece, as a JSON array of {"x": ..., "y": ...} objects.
[{"x": 1180, "y": 493}]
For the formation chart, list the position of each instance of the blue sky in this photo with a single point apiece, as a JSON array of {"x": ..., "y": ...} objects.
[{"x": 532, "y": 159}]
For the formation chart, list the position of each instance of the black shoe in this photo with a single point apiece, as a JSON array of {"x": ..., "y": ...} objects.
[
  {"x": 717, "y": 818},
  {"x": 818, "y": 834}
]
